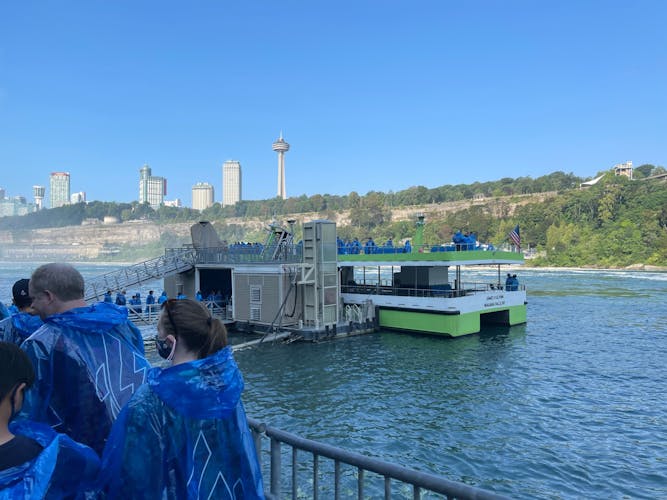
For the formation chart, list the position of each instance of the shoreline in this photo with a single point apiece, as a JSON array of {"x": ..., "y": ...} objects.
[
  {"x": 526, "y": 265},
  {"x": 632, "y": 267}
]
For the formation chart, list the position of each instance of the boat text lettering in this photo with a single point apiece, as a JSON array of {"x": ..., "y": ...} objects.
[{"x": 494, "y": 300}]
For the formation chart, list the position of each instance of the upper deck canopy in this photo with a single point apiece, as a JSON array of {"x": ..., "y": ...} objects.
[{"x": 457, "y": 258}]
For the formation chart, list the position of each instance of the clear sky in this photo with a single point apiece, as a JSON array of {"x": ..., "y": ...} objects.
[{"x": 371, "y": 95}]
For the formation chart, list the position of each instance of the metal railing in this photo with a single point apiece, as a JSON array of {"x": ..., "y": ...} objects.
[
  {"x": 251, "y": 254},
  {"x": 371, "y": 288},
  {"x": 172, "y": 262},
  {"x": 149, "y": 315},
  {"x": 418, "y": 481}
]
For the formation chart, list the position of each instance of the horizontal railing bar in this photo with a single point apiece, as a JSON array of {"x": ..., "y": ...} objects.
[{"x": 423, "y": 479}]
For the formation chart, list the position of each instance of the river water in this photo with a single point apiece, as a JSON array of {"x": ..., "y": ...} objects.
[{"x": 572, "y": 404}]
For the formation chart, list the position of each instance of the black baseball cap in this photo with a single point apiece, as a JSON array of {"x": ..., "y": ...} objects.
[{"x": 21, "y": 294}]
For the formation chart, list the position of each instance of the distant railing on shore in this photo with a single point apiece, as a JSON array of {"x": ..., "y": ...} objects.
[{"x": 332, "y": 481}]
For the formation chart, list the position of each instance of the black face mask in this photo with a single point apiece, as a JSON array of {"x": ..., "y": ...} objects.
[{"x": 164, "y": 350}]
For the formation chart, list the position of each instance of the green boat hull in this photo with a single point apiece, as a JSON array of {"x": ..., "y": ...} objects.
[{"x": 452, "y": 325}]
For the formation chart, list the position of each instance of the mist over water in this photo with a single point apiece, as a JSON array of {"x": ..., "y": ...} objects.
[{"x": 570, "y": 405}]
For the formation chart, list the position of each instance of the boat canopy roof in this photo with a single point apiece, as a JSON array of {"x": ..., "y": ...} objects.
[{"x": 467, "y": 258}]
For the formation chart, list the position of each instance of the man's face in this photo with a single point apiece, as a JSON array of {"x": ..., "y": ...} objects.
[{"x": 42, "y": 302}]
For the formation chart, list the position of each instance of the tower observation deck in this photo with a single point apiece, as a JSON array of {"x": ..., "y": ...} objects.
[{"x": 281, "y": 147}]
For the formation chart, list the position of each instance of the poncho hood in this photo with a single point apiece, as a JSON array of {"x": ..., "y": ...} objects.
[
  {"x": 99, "y": 315},
  {"x": 25, "y": 324},
  {"x": 62, "y": 469},
  {"x": 207, "y": 388}
]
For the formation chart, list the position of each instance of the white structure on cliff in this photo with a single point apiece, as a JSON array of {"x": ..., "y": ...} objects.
[
  {"x": 231, "y": 182},
  {"x": 623, "y": 169}
]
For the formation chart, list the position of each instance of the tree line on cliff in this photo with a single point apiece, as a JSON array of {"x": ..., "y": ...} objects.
[{"x": 616, "y": 222}]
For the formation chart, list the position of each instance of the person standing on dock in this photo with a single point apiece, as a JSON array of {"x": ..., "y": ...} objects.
[
  {"x": 20, "y": 325},
  {"x": 195, "y": 405},
  {"x": 150, "y": 304},
  {"x": 89, "y": 360}
]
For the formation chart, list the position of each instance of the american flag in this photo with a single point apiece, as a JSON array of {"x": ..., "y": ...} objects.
[{"x": 515, "y": 236}]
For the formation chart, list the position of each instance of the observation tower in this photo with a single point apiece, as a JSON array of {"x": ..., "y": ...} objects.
[
  {"x": 281, "y": 147},
  {"x": 38, "y": 193}
]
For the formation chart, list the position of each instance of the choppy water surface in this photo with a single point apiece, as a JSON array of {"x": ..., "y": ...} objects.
[{"x": 571, "y": 405}]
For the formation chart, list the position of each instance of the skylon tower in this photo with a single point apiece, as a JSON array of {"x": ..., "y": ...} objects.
[{"x": 281, "y": 147}]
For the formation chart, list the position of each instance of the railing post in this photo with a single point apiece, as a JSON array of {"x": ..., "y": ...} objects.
[
  {"x": 337, "y": 480},
  {"x": 360, "y": 484},
  {"x": 294, "y": 473},
  {"x": 387, "y": 488},
  {"x": 316, "y": 473},
  {"x": 275, "y": 467}
]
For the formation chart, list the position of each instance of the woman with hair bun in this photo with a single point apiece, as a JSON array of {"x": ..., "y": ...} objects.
[{"x": 184, "y": 434}]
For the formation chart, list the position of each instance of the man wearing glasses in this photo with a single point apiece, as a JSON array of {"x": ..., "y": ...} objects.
[{"x": 89, "y": 359}]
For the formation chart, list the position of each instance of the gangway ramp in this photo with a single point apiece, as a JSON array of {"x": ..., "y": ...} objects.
[{"x": 172, "y": 262}]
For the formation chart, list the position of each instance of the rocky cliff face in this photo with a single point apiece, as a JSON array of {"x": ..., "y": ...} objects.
[
  {"x": 100, "y": 241},
  {"x": 82, "y": 242}
]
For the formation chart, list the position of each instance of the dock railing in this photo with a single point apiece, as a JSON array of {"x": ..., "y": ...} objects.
[{"x": 278, "y": 486}]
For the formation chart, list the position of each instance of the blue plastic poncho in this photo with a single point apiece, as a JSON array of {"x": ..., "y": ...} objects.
[
  {"x": 19, "y": 327},
  {"x": 4, "y": 312},
  {"x": 88, "y": 362},
  {"x": 64, "y": 468},
  {"x": 184, "y": 435}
]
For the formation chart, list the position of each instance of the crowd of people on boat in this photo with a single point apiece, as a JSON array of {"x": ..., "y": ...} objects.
[
  {"x": 460, "y": 242},
  {"x": 83, "y": 414},
  {"x": 354, "y": 247}
]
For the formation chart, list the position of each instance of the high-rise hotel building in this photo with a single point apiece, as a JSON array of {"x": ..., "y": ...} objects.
[
  {"x": 59, "y": 193},
  {"x": 231, "y": 182},
  {"x": 152, "y": 190},
  {"x": 202, "y": 196}
]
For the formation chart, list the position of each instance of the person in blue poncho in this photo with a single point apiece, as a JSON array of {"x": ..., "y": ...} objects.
[
  {"x": 184, "y": 434},
  {"x": 4, "y": 312},
  {"x": 36, "y": 461},
  {"x": 89, "y": 359},
  {"x": 20, "y": 325}
]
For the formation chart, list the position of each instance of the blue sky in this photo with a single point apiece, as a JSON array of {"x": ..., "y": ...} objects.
[{"x": 371, "y": 95}]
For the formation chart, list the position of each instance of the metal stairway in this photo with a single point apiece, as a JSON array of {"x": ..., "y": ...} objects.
[{"x": 174, "y": 261}]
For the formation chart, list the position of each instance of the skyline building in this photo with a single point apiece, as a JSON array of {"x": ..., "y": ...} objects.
[
  {"x": 281, "y": 147},
  {"x": 79, "y": 197},
  {"x": 202, "y": 196},
  {"x": 152, "y": 189},
  {"x": 38, "y": 194},
  {"x": 231, "y": 182},
  {"x": 59, "y": 189},
  {"x": 16, "y": 205}
]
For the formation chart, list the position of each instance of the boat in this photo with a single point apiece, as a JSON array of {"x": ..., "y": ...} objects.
[
  {"x": 319, "y": 288},
  {"x": 426, "y": 288}
]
